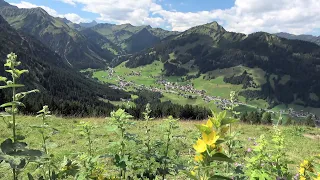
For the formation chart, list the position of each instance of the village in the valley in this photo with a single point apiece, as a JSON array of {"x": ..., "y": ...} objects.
[{"x": 188, "y": 91}]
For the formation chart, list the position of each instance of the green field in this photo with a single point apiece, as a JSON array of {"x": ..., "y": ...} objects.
[
  {"x": 300, "y": 143},
  {"x": 213, "y": 87}
]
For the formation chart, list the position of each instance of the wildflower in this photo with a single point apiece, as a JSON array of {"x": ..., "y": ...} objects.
[
  {"x": 209, "y": 124},
  {"x": 301, "y": 171},
  {"x": 198, "y": 158},
  {"x": 193, "y": 173},
  {"x": 200, "y": 146},
  {"x": 249, "y": 150},
  {"x": 211, "y": 138},
  {"x": 302, "y": 178}
]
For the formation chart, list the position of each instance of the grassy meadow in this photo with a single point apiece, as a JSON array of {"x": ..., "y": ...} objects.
[{"x": 300, "y": 142}]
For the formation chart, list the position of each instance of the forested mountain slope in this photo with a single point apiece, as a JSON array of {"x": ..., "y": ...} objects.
[
  {"x": 71, "y": 45},
  {"x": 62, "y": 88}
]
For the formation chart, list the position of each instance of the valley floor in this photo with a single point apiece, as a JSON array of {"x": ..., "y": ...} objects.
[{"x": 301, "y": 142}]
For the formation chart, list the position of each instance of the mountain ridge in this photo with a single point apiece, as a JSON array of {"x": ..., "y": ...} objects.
[
  {"x": 209, "y": 47},
  {"x": 302, "y": 37},
  {"x": 64, "y": 89},
  {"x": 58, "y": 36}
]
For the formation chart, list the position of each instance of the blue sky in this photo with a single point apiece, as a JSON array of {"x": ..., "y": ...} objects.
[{"x": 246, "y": 16}]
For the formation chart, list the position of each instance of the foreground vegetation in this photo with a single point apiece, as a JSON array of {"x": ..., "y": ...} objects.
[{"x": 67, "y": 141}]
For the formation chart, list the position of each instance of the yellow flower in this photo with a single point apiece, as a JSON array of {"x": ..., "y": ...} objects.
[
  {"x": 301, "y": 171},
  {"x": 198, "y": 158},
  {"x": 304, "y": 164},
  {"x": 211, "y": 138},
  {"x": 209, "y": 124},
  {"x": 302, "y": 178},
  {"x": 200, "y": 146}
]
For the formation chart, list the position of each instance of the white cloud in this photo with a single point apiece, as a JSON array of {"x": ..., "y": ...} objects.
[
  {"x": 70, "y": 16},
  {"x": 68, "y": 2},
  {"x": 74, "y": 18},
  {"x": 246, "y": 16}
]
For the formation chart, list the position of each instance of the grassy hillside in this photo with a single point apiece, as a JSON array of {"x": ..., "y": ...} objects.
[{"x": 301, "y": 142}]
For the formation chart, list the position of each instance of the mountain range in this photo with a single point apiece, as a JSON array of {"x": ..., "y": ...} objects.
[
  {"x": 303, "y": 37},
  {"x": 55, "y": 49},
  {"x": 210, "y": 47}
]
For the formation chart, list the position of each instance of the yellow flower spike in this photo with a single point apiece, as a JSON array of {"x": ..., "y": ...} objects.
[
  {"x": 211, "y": 138},
  {"x": 200, "y": 146},
  {"x": 198, "y": 158}
]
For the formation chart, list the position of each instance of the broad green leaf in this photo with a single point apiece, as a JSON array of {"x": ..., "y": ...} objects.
[
  {"x": 11, "y": 86},
  {"x": 8, "y": 147},
  {"x": 221, "y": 157},
  {"x": 226, "y": 121},
  {"x": 16, "y": 103},
  {"x": 220, "y": 141},
  {"x": 204, "y": 128}
]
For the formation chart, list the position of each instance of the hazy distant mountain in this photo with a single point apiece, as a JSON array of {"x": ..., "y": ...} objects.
[
  {"x": 71, "y": 45},
  {"x": 88, "y": 25},
  {"x": 132, "y": 38},
  {"x": 303, "y": 37}
]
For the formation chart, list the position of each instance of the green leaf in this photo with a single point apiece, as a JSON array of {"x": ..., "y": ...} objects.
[
  {"x": 30, "y": 177},
  {"x": 226, "y": 121},
  {"x": 217, "y": 177},
  {"x": 222, "y": 115},
  {"x": 23, "y": 94},
  {"x": 221, "y": 157},
  {"x": 3, "y": 79},
  {"x": 8, "y": 147},
  {"x": 203, "y": 128},
  {"x": 220, "y": 141},
  {"x": 15, "y": 103},
  {"x": 11, "y": 86}
]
